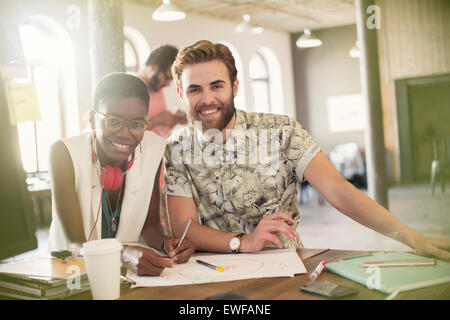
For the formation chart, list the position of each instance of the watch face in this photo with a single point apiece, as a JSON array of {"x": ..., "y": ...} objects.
[{"x": 235, "y": 243}]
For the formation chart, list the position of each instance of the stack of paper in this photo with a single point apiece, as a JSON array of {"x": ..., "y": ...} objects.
[{"x": 265, "y": 264}]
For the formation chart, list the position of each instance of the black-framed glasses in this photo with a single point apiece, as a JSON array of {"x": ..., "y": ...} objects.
[{"x": 115, "y": 124}]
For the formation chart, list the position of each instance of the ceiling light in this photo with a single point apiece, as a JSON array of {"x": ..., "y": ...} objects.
[
  {"x": 244, "y": 26},
  {"x": 168, "y": 12},
  {"x": 308, "y": 40},
  {"x": 355, "y": 51}
]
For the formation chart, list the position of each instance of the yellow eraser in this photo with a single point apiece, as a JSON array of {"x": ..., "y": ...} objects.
[{"x": 221, "y": 269}]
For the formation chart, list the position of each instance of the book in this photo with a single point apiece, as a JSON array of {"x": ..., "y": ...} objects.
[
  {"x": 59, "y": 292},
  {"x": 19, "y": 294},
  {"x": 43, "y": 278},
  {"x": 391, "y": 279}
]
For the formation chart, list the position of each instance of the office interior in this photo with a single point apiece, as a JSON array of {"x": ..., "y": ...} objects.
[{"x": 322, "y": 87}]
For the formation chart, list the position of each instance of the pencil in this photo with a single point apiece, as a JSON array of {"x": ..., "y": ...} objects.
[
  {"x": 359, "y": 256},
  {"x": 405, "y": 263},
  {"x": 206, "y": 264}
]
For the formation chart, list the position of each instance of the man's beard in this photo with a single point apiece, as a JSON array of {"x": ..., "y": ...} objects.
[
  {"x": 153, "y": 82},
  {"x": 227, "y": 111}
]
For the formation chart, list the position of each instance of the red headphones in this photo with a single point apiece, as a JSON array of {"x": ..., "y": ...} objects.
[{"x": 111, "y": 178}]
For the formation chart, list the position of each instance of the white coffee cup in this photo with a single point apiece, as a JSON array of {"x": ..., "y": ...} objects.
[{"x": 102, "y": 260}]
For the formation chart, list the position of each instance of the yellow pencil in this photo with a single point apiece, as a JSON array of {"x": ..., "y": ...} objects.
[{"x": 218, "y": 268}]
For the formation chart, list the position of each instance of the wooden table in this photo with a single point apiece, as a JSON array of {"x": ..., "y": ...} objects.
[{"x": 277, "y": 288}]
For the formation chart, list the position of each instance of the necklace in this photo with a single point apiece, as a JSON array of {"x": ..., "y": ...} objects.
[
  {"x": 114, "y": 221},
  {"x": 113, "y": 214}
]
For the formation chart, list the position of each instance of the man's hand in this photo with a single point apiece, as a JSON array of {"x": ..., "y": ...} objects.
[
  {"x": 144, "y": 261},
  {"x": 266, "y": 233},
  {"x": 434, "y": 247},
  {"x": 180, "y": 117},
  {"x": 168, "y": 119},
  {"x": 180, "y": 254}
]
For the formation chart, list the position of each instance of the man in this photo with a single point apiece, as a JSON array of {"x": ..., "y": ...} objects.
[
  {"x": 157, "y": 75},
  {"x": 242, "y": 205}
]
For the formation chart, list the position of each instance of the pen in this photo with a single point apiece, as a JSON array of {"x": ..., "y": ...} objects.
[
  {"x": 318, "y": 270},
  {"x": 183, "y": 235},
  {"x": 218, "y": 268}
]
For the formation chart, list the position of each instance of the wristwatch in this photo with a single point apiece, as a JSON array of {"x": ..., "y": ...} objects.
[{"x": 235, "y": 242}]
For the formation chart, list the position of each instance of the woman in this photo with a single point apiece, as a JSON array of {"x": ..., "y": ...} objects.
[{"x": 103, "y": 181}]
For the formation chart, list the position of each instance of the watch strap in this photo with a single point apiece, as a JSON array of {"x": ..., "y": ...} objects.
[{"x": 238, "y": 236}]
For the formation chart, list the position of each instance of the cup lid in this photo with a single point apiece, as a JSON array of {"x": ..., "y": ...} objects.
[{"x": 101, "y": 246}]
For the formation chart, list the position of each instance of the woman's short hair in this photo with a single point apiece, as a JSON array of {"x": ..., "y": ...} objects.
[
  {"x": 203, "y": 51},
  {"x": 120, "y": 84}
]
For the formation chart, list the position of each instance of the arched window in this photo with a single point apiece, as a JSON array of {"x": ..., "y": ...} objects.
[
  {"x": 48, "y": 53},
  {"x": 239, "y": 100},
  {"x": 132, "y": 62},
  {"x": 266, "y": 82},
  {"x": 260, "y": 83},
  {"x": 136, "y": 50}
]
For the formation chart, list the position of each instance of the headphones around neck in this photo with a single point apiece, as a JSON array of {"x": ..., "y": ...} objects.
[{"x": 111, "y": 178}]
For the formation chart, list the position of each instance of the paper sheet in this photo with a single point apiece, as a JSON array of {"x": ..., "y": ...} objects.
[
  {"x": 22, "y": 102},
  {"x": 265, "y": 264}
]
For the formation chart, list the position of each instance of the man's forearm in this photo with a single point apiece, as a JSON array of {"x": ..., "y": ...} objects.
[
  {"x": 369, "y": 213},
  {"x": 207, "y": 239}
]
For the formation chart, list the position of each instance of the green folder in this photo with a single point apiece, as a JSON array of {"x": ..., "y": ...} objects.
[{"x": 390, "y": 279}]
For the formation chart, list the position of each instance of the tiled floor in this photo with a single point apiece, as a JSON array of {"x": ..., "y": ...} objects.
[{"x": 322, "y": 226}]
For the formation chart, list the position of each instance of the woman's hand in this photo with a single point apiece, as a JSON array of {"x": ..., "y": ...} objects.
[
  {"x": 144, "y": 261},
  {"x": 180, "y": 254}
]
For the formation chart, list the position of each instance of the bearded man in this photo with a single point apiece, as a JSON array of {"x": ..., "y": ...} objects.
[{"x": 242, "y": 197}]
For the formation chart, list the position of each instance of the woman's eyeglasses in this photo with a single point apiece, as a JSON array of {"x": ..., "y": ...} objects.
[{"x": 115, "y": 124}]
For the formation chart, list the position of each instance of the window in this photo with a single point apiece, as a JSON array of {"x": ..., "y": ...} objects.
[
  {"x": 35, "y": 138},
  {"x": 260, "y": 83},
  {"x": 49, "y": 55},
  {"x": 131, "y": 58},
  {"x": 136, "y": 50},
  {"x": 239, "y": 100}
]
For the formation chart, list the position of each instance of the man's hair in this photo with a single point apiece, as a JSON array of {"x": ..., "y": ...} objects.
[
  {"x": 203, "y": 51},
  {"x": 162, "y": 56},
  {"x": 120, "y": 84}
]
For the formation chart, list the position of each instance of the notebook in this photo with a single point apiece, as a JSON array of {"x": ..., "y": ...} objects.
[{"x": 390, "y": 279}]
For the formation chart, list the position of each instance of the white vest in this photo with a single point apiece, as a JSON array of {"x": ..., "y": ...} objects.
[{"x": 137, "y": 193}]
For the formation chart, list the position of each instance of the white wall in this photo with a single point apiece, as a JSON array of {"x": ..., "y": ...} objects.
[
  {"x": 195, "y": 28},
  {"x": 324, "y": 72}
]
